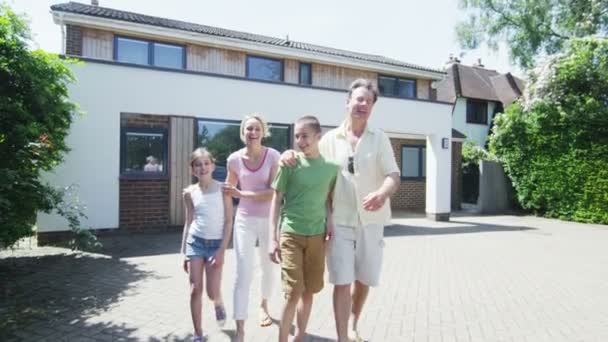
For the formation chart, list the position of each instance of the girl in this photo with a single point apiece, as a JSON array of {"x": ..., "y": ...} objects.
[
  {"x": 206, "y": 235},
  {"x": 252, "y": 168}
]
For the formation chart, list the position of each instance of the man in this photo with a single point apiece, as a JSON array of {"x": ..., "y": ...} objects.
[{"x": 361, "y": 206}]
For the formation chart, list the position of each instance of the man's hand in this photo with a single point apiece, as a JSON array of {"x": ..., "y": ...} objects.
[
  {"x": 288, "y": 158},
  {"x": 275, "y": 252},
  {"x": 374, "y": 201}
]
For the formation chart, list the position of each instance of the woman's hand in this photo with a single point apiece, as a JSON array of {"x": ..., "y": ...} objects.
[
  {"x": 218, "y": 258},
  {"x": 288, "y": 158},
  {"x": 184, "y": 263},
  {"x": 274, "y": 252},
  {"x": 231, "y": 190}
]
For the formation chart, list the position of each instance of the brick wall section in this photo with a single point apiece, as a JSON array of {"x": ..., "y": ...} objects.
[
  {"x": 144, "y": 203},
  {"x": 412, "y": 193},
  {"x": 134, "y": 120},
  {"x": 456, "y": 175},
  {"x": 73, "y": 40}
]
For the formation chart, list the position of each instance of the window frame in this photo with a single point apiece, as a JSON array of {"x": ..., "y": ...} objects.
[
  {"x": 421, "y": 157},
  {"x": 123, "y": 153},
  {"x": 397, "y": 79},
  {"x": 150, "y": 52},
  {"x": 281, "y": 63},
  {"x": 469, "y": 118},
  {"x": 300, "y": 73},
  {"x": 237, "y": 123}
]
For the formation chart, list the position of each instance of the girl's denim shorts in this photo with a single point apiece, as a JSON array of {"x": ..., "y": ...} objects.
[{"x": 197, "y": 247}]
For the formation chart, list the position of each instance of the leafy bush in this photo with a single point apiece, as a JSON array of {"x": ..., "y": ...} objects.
[
  {"x": 35, "y": 116},
  {"x": 554, "y": 142}
]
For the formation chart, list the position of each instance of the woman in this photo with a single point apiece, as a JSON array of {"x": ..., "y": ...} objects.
[{"x": 252, "y": 168}]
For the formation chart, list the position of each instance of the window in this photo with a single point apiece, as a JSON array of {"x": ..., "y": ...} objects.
[
  {"x": 222, "y": 138},
  {"x": 262, "y": 68},
  {"x": 138, "y": 51},
  {"x": 396, "y": 86},
  {"x": 305, "y": 74},
  {"x": 143, "y": 152},
  {"x": 477, "y": 112},
  {"x": 413, "y": 162}
]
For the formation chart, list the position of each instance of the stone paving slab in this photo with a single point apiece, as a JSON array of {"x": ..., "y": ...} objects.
[{"x": 476, "y": 278}]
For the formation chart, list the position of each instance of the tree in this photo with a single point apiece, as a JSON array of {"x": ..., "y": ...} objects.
[
  {"x": 530, "y": 28},
  {"x": 554, "y": 142},
  {"x": 35, "y": 117}
]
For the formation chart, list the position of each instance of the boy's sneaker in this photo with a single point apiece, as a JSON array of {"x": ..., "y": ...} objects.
[
  {"x": 220, "y": 315},
  {"x": 199, "y": 338}
]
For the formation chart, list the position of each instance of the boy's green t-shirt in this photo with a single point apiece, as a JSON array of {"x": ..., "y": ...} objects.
[{"x": 305, "y": 188}]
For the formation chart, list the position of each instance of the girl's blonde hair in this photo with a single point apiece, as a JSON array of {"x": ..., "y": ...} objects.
[
  {"x": 258, "y": 117},
  {"x": 200, "y": 152}
]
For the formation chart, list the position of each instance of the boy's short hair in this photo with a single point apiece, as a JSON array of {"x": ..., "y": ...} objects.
[{"x": 311, "y": 121}]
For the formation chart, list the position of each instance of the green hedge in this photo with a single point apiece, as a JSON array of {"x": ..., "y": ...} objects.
[{"x": 554, "y": 142}]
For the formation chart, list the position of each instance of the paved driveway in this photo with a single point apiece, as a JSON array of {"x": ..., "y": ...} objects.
[{"x": 492, "y": 278}]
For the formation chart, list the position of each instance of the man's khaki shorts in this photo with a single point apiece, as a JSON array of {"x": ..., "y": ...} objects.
[
  {"x": 303, "y": 263},
  {"x": 355, "y": 253}
]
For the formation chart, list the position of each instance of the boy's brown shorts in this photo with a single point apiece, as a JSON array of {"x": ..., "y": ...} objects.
[{"x": 303, "y": 263}]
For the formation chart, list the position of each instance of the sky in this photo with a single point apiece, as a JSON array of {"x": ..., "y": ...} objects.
[{"x": 420, "y": 32}]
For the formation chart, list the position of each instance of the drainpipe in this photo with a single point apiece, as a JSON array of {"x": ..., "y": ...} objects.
[{"x": 62, "y": 26}]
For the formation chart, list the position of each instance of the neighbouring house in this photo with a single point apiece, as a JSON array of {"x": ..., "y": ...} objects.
[
  {"x": 153, "y": 89},
  {"x": 478, "y": 95}
]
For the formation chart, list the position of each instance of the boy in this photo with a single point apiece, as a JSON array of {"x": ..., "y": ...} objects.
[{"x": 305, "y": 225}]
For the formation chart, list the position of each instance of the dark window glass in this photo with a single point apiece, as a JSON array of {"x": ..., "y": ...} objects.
[
  {"x": 387, "y": 85},
  {"x": 413, "y": 161},
  {"x": 305, "y": 73},
  {"x": 222, "y": 138},
  {"x": 132, "y": 51},
  {"x": 398, "y": 87},
  {"x": 406, "y": 88},
  {"x": 144, "y": 152},
  {"x": 168, "y": 56},
  {"x": 261, "y": 68},
  {"x": 477, "y": 111}
]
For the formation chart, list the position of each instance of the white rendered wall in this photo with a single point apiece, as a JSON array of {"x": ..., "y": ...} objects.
[
  {"x": 476, "y": 133},
  {"x": 104, "y": 91}
]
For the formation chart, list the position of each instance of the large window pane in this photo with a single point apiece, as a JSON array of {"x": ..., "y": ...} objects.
[
  {"x": 264, "y": 68},
  {"x": 410, "y": 161},
  {"x": 144, "y": 152},
  {"x": 407, "y": 88},
  {"x": 168, "y": 56},
  {"x": 279, "y": 138},
  {"x": 387, "y": 85},
  {"x": 131, "y": 50},
  {"x": 221, "y": 139}
]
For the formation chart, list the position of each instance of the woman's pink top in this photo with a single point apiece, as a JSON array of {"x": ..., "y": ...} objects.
[{"x": 253, "y": 180}]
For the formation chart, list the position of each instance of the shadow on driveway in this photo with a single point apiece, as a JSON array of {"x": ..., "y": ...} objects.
[
  {"x": 460, "y": 227},
  {"x": 50, "y": 297}
]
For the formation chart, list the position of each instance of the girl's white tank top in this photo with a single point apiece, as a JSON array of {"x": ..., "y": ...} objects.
[{"x": 208, "y": 222}]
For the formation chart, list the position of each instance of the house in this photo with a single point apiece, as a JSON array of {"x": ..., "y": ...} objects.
[
  {"x": 155, "y": 88},
  {"x": 478, "y": 95}
]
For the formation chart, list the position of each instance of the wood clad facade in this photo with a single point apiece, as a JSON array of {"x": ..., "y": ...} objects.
[
  {"x": 181, "y": 144},
  {"x": 331, "y": 76},
  {"x": 292, "y": 71},
  {"x": 97, "y": 44},
  {"x": 214, "y": 60}
]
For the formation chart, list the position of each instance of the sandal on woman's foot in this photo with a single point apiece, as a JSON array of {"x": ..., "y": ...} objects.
[
  {"x": 355, "y": 337},
  {"x": 265, "y": 319},
  {"x": 220, "y": 315}
]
